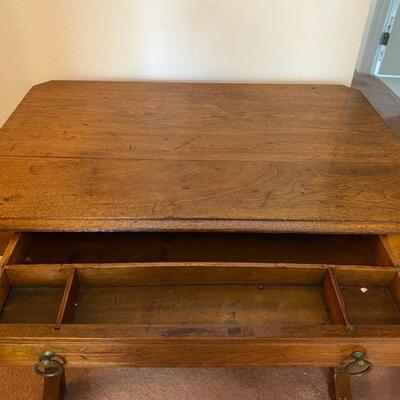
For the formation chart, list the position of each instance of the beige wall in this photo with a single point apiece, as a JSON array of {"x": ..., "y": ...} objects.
[
  {"x": 14, "y": 68},
  {"x": 220, "y": 40}
]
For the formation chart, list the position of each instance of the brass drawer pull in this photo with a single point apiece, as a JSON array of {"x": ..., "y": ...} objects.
[
  {"x": 47, "y": 367},
  {"x": 360, "y": 366}
]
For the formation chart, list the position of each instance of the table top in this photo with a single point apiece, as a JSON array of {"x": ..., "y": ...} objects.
[{"x": 96, "y": 156}]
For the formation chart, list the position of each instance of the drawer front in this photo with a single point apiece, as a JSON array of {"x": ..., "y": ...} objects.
[
  {"x": 167, "y": 299},
  {"x": 204, "y": 353}
]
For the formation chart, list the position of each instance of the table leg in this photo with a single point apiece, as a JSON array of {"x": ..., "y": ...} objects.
[
  {"x": 339, "y": 384},
  {"x": 54, "y": 388}
]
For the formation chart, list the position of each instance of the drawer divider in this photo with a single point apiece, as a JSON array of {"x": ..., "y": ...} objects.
[
  {"x": 16, "y": 249},
  {"x": 334, "y": 300},
  {"x": 5, "y": 288},
  {"x": 70, "y": 295},
  {"x": 395, "y": 289},
  {"x": 391, "y": 246}
]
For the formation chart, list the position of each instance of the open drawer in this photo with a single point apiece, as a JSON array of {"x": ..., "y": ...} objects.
[
  {"x": 199, "y": 299},
  {"x": 76, "y": 248}
]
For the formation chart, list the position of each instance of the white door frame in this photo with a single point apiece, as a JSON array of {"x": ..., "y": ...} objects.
[{"x": 394, "y": 8}]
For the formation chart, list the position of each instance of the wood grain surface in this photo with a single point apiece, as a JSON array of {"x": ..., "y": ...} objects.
[
  {"x": 172, "y": 346},
  {"x": 132, "y": 155}
]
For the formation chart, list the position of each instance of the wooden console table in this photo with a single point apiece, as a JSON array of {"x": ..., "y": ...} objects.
[{"x": 218, "y": 225}]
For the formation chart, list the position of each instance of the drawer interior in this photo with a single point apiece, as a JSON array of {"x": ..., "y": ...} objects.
[
  {"x": 199, "y": 279},
  {"x": 164, "y": 294},
  {"x": 202, "y": 305},
  {"x": 67, "y": 248},
  {"x": 34, "y": 298},
  {"x": 240, "y": 295},
  {"x": 372, "y": 299},
  {"x": 37, "y": 304},
  {"x": 373, "y": 306}
]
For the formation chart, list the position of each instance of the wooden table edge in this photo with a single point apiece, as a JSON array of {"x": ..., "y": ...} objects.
[{"x": 174, "y": 225}]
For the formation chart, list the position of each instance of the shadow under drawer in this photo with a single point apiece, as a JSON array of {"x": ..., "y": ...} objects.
[{"x": 66, "y": 248}]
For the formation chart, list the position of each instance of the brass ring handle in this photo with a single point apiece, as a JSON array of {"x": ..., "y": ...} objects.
[
  {"x": 46, "y": 362},
  {"x": 360, "y": 366}
]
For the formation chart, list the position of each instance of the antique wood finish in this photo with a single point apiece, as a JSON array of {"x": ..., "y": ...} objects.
[
  {"x": 334, "y": 300},
  {"x": 54, "y": 388},
  {"x": 177, "y": 156},
  {"x": 391, "y": 244},
  {"x": 339, "y": 384},
  {"x": 5, "y": 288},
  {"x": 4, "y": 241},
  {"x": 70, "y": 295},
  {"x": 205, "y": 313},
  {"x": 338, "y": 379},
  {"x": 15, "y": 251},
  {"x": 198, "y": 346},
  {"x": 214, "y": 225},
  {"x": 395, "y": 289}
]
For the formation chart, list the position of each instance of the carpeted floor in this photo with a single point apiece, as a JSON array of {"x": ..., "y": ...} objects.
[{"x": 198, "y": 384}]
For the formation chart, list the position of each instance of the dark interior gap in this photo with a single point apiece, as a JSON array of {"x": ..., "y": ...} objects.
[{"x": 55, "y": 248}]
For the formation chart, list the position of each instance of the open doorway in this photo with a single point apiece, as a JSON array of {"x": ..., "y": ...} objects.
[
  {"x": 380, "y": 54},
  {"x": 387, "y": 63}
]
